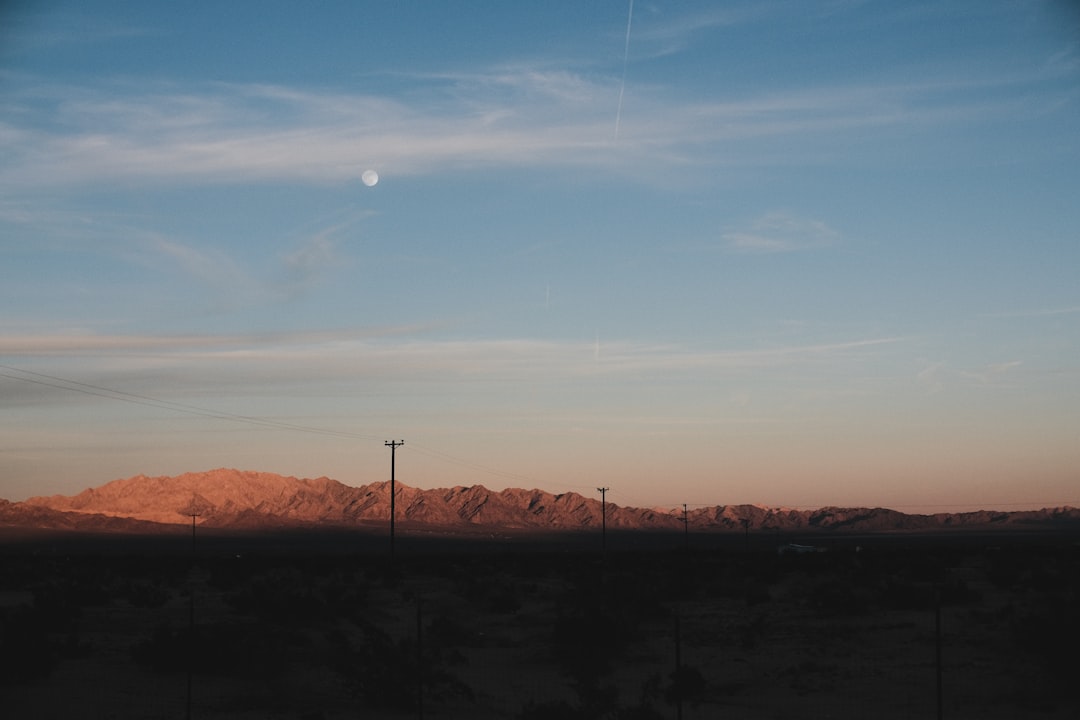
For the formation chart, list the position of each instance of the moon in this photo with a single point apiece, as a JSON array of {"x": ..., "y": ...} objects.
[{"x": 370, "y": 178}]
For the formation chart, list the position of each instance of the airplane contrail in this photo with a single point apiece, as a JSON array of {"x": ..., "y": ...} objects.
[{"x": 626, "y": 58}]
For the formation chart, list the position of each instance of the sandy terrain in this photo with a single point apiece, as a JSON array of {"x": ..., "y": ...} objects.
[{"x": 566, "y": 632}]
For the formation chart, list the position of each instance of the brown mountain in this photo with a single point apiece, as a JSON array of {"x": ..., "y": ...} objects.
[{"x": 243, "y": 499}]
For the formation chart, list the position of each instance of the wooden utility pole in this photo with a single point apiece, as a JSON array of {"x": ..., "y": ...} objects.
[
  {"x": 393, "y": 445},
  {"x": 680, "y": 683},
  {"x": 937, "y": 648},
  {"x": 686, "y": 528},
  {"x": 603, "y": 517},
  {"x": 420, "y": 668},
  {"x": 194, "y": 512},
  {"x": 194, "y": 515}
]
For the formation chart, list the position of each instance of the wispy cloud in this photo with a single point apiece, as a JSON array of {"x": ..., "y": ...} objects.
[
  {"x": 64, "y": 29},
  {"x": 305, "y": 266},
  {"x": 658, "y": 33},
  {"x": 780, "y": 232},
  {"x": 213, "y": 269},
  {"x": 224, "y": 281},
  {"x": 1046, "y": 312},
  {"x": 85, "y": 344},
  {"x": 232, "y": 133},
  {"x": 402, "y": 353},
  {"x": 992, "y": 373},
  {"x": 937, "y": 376}
]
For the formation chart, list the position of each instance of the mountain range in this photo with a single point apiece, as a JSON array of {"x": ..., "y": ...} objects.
[{"x": 238, "y": 499}]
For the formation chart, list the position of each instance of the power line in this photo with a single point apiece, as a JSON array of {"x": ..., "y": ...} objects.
[
  {"x": 148, "y": 401},
  {"x": 107, "y": 393},
  {"x": 445, "y": 457}
]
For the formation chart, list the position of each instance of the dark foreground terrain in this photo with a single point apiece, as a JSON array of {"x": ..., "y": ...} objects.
[{"x": 522, "y": 626}]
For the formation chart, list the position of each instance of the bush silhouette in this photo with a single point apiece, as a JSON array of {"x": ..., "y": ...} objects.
[{"x": 26, "y": 653}]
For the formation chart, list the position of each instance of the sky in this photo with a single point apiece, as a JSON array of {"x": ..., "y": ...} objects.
[{"x": 797, "y": 254}]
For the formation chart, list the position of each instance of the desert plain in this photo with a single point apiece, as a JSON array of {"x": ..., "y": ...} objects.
[{"x": 325, "y": 625}]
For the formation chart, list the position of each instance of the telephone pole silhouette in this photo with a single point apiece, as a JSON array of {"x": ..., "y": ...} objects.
[
  {"x": 686, "y": 528},
  {"x": 603, "y": 517},
  {"x": 393, "y": 445},
  {"x": 679, "y": 681},
  {"x": 193, "y": 511},
  {"x": 937, "y": 649}
]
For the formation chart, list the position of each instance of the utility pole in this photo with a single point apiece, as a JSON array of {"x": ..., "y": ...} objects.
[
  {"x": 194, "y": 512},
  {"x": 686, "y": 528},
  {"x": 680, "y": 683},
  {"x": 603, "y": 516},
  {"x": 393, "y": 445},
  {"x": 937, "y": 648},
  {"x": 420, "y": 669}
]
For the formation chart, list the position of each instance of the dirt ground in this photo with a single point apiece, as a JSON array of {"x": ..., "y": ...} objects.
[{"x": 862, "y": 629}]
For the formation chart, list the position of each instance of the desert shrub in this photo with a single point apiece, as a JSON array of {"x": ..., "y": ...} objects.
[
  {"x": 601, "y": 704},
  {"x": 57, "y": 610},
  {"x": 163, "y": 651},
  {"x": 346, "y": 600},
  {"x": 586, "y": 642},
  {"x": 551, "y": 710},
  {"x": 27, "y": 654},
  {"x": 283, "y": 600},
  {"x": 958, "y": 593},
  {"x": 147, "y": 594},
  {"x": 386, "y": 573},
  {"x": 1007, "y": 570},
  {"x": 503, "y": 598},
  {"x": 228, "y": 574},
  {"x": 751, "y": 633},
  {"x": 838, "y": 599},
  {"x": 493, "y": 591},
  {"x": 644, "y": 711},
  {"x": 685, "y": 683},
  {"x": 221, "y": 649},
  {"x": 1049, "y": 632},
  {"x": 900, "y": 594},
  {"x": 446, "y": 632},
  {"x": 637, "y": 594},
  {"x": 562, "y": 710},
  {"x": 596, "y": 699},
  {"x": 385, "y": 673},
  {"x": 755, "y": 593},
  {"x": 88, "y": 586}
]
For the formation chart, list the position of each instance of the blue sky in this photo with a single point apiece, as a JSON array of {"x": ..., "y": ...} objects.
[{"x": 794, "y": 254}]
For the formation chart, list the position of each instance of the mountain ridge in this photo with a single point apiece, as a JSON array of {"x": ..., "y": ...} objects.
[{"x": 251, "y": 500}]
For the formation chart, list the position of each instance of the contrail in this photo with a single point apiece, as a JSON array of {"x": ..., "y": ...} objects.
[{"x": 625, "y": 59}]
